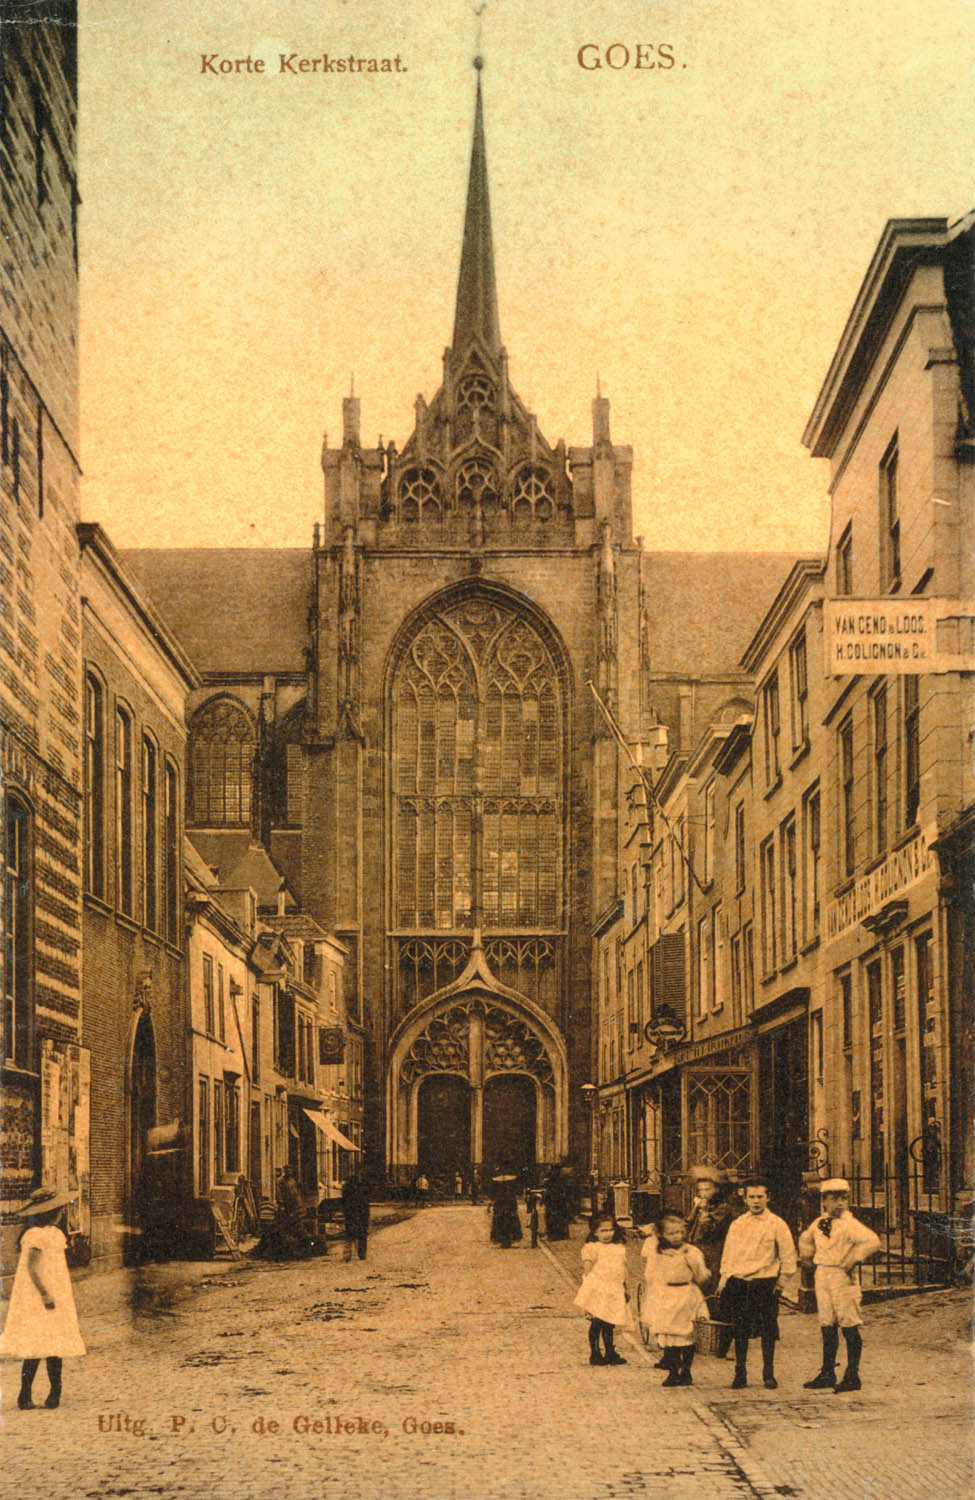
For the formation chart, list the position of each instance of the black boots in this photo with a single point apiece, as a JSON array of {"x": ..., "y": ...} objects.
[
  {"x": 595, "y": 1328},
  {"x": 741, "y": 1362},
  {"x": 612, "y": 1358},
  {"x": 768, "y": 1357},
  {"x": 677, "y": 1363},
  {"x": 27, "y": 1372},
  {"x": 854, "y": 1348},
  {"x": 54, "y": 1376},
  {"x": 826, "y": 1379}
]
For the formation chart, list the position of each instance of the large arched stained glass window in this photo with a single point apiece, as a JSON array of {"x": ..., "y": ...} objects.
[
  {"x": 477, "y": 707},
  {"x": 222, "y": 746}
]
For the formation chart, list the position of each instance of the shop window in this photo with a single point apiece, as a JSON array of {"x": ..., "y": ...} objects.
[{"x": 718, "y": 1114}]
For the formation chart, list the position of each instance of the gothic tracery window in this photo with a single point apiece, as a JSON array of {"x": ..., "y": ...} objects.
[
  {"x": 419, "y": 494},
  {"x": 222, "y": 747},
  {"x": 477, "y": 486},
  {"x": 532, "y": 494},
  {"x": 475, "y": 393},
  {"x": 477, "y": 704}
]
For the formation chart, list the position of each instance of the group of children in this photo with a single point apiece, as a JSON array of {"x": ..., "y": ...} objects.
[{"x": 758, "y": 1258}]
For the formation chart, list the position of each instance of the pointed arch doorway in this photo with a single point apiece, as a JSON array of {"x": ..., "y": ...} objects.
[
  {"x": 509, "y": 1123},
  {"x": 444, "y": 1125}
]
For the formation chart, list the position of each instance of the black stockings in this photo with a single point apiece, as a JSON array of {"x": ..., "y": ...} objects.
[{"x": 27, "y": 1373}]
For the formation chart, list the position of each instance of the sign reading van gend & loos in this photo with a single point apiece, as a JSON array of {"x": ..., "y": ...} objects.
[{"x": 898, "y": 635}]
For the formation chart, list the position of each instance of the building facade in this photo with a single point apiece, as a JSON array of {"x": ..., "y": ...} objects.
[
  {"x": 45, "y": 1080},
  {"x": 813, "y": 1006},
  {"x": 134, "y": 1027}
]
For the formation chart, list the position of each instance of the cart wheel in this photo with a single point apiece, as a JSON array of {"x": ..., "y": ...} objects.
[{"x": 641, "y": 1295}]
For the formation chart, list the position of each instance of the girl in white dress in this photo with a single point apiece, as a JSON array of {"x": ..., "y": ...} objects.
[
  {"x": 603, "y": 1292},
  {"x": 675, "y": 1273},
  {"x": 41, "y": 1320}
]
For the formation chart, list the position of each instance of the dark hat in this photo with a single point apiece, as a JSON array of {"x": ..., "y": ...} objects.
[{"x": 44, "y": 1200}]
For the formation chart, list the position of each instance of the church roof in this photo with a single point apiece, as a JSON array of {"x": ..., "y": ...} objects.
[
  {"x": 476, "y": 311},
  {"x": 235, "y": 609},
  {"x": 704, "y": 607}
]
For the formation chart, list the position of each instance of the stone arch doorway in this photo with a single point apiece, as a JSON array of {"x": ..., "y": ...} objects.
[
  {"x": 443, "y": 1125},
  {"x": 141, "y": 1117},
  {"x": 509, "y": 1123},
  {"x": 507, "y": 1069},
  {"x": 142, "y": 1095}
]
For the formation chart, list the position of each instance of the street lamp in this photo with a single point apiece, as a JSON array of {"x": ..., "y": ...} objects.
[{"x": 590, "y": 1093}]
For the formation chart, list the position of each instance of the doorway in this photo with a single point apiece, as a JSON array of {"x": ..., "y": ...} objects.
[
  {"x": 509, "y": 1124},
  {"x": 444, "y": 1126}
]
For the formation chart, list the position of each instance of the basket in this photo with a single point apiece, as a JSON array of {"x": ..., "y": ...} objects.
[{"x": 707, "y": 1332}]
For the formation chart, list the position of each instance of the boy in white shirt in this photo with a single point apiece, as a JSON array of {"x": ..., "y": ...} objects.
[
  {"x": 758, "y": 1257},
  {"x": 837, "y": 1245}
]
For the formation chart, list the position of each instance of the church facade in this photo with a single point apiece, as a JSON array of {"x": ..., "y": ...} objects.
[{"x": 425, "y": 761}]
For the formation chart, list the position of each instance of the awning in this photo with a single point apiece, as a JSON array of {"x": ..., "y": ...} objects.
[{"x": 327, "y": 1128}]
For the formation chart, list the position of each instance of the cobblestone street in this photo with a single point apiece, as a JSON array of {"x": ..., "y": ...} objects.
[{"x": 438, "y": 1327}]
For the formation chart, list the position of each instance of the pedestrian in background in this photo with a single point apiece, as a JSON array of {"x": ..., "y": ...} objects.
[
  {"x": 41, "y": 1321},
  {"x": 422, "y": 1189},
  {"x": 711, "y": 1216},
  {"x": 603, "y": 1292},
  {"x": 837, "y": 1245},
  {"x": 556, "y": 1196},
  {"x": 505, "y": 1221},
  {"x": 758, "y": 1257},
  {"x": 674, "y": 1271},
  {"x": 355, "y": 1212}
]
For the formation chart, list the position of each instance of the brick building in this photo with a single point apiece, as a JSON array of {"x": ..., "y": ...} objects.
[
  {"x": 136, "y": 679},
  {"x": 43, "y": 1115}
]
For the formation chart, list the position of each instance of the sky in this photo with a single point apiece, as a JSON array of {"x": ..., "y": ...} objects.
[{"x": 693, "y": 236}]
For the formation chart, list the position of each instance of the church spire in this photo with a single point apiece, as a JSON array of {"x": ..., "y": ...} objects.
[{"x": 476, "y": 313}]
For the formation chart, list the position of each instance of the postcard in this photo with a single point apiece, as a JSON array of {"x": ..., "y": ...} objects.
[{"x": 487, "y": 540}]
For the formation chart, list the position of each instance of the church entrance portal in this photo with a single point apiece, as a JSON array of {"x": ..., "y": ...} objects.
[
  {"x": 444, "y": 1126},
  {"x": 509, "y": 1124}
]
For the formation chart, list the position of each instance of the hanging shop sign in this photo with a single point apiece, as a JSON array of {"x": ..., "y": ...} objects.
[{"x": 892, "y": 635}]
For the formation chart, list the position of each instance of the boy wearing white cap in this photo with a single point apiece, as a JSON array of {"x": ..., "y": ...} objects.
[{"x": 837, "y": 1244}]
